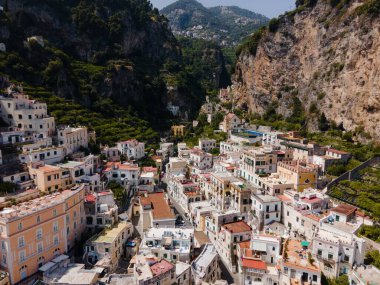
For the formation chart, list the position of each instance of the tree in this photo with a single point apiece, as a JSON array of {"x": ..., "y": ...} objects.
[{"x": 323, "y": 123}]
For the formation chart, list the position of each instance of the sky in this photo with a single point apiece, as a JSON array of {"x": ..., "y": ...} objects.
[{"x": 269, "y": 8}]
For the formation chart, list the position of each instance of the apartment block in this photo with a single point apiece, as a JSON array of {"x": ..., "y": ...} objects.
[
  {"x": 105, "y": 249},
  {"x": 72, "y": 139},
  {"x": 336, "y": 245},
  {"x": 131, "y": 149},
  {"x": 169, "y": 243},
  {"x": 100, "y": 209},
  {"x": 28, "y": 115},
  {"x": 299, "y": 174},
  {"x": 125, "y": 173},
  {"x": 205, "y": 268},
  {"x": 296, "y": 265},
  {"x": 266, "y": 209},
  {"x": 154, "y": 211},
  {"x": 49, "y": 178},
  {"x": 206, "y": 144},
  {"x": 35, "y": 232},
  {"x": 258, "y": 259},
  {"x": 228, "y": 238},
  {"x": 258, "y": 161},
  {"x": 221, "y": 184}
]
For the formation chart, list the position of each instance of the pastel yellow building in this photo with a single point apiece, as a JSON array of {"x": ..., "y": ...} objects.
[
  {"x": 178, "y": 131},
  {"x": 302, "y": 176},
  {"x": 35, "y": 232},
  {"x": 49, "y": 178}
]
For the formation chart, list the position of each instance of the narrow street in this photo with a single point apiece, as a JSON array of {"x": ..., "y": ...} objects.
[{"x": 232, "y": 278}]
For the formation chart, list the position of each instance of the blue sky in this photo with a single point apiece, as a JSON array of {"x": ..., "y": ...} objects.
[{"x": 269, "y": 8}]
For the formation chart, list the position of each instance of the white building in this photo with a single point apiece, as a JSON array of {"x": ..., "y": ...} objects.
[
  {"x": 301, "y": 212},
  {"x": 166, "y": 150},
  {"x": 131, "y": 149},
  {"x": 81, "y": 172},
  {"x": 200, "y": 161},
  {"x": 169, "y": 243},
  {"x": 183, "y": 151},
  {"x": 258, "y": 259},
  {"x": 206, "y": 267},
  {"x": 126, "y": 174},
  {"x": 266, "y": 209},
  {"x": 207, "y": 144},
  {"x": 72, "y": 139},
  {"x": 336, "y": 246},
  {"x": 227, "y": 239},
  {"x": 101, "y": 210},
  {"x": 48, "y": 155},
  {"x": 176, "y": 166},
  {"x": 27, "y": 115},
  {"x": 258, "y": 161}
]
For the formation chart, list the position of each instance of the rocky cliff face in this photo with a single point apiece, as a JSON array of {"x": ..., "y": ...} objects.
[{"x": 326, "y": 56}]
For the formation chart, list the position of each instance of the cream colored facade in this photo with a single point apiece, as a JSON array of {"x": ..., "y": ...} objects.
[
  {"x": 106, "y": 249},
  {"x": 72, "y": 139},
  {"x": 34, "y": 232},
  {"x": 28, "y": 115}
]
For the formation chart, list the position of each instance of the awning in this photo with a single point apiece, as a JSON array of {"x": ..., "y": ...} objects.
[
  {"x": 305, "y": 243},
  {"x": 46, "y": 266}
]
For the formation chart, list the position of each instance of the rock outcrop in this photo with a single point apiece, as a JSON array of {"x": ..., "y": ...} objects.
[{"x": 328, "y": 57}]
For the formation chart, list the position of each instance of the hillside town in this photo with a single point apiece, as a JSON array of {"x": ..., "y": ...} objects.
[{"x": 254, "y": 212}]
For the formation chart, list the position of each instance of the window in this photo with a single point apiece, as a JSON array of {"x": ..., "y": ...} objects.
[
  {"x": 319, "y": 252},
  {"x": 39, "y": 234},
  {"x": 330, "y": 255},
  {"x": 315, "y": 278},
  {"x": 107, "y": 249},
  {"x": 4, "y": 259},
  {"x": 21, "y": 242},
  {"x": 55, "y": 227},
  {"x": 56, "y": 240},
  {"x": 21, "y": 255},
  {"x": 54, "y": 212},
  {"x": 49, "y": 178},
  {"x": 38, "y": 219},
  {"x": 39, "y": 247},
  {"x": 19, "y": 226}
]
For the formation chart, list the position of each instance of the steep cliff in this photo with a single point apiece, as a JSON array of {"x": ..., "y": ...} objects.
[
  {"x": 94, "y": 52},
  {"x": 324, "y": 55}
]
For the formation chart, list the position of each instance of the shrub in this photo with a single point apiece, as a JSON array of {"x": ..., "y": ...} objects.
[{"x": 273, "y": 25}]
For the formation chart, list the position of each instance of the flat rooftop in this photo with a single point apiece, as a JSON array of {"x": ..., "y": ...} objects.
[
  {"x": 36, "y": 205},
  {"x": 73, "y": 274},
  {"x": 173, "y": 232},
  {"x": 266, "y": 198},
  {"x": 297, "y": 256},
  {"x": 110, "y": 235},
  {"x": 369, "y": 275}
]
